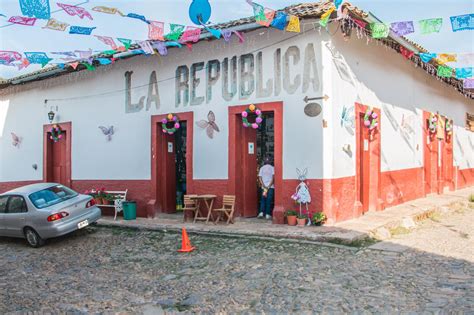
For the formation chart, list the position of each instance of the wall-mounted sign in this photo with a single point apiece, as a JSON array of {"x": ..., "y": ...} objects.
[
  {"x": 470, "y": 122},
  {"x": 366, "y": 145},
  {"x": 170, "y": 147},
  {"x": 251, "y": 148}
]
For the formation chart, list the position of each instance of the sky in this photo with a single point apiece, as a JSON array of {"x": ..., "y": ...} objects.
[{"x": 25, "y": 38}]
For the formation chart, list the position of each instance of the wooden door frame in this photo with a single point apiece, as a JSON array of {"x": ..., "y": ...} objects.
[
  {"x": 427, "y": 165},
  {"x": 156, "y": 131},
  {"x": 374, "y": 156},
  {"x": 67, "y": 127},
  {"x": 277, "y": 109}
]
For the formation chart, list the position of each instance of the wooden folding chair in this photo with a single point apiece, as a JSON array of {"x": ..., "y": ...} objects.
[
  {"x": 228, "y": 206},
  {"x": 190, "y": 205}
]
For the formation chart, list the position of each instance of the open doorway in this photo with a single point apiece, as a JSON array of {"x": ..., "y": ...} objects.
[
  {"x": 171, "y": 164},
  {"x": 265, "y": 148}
]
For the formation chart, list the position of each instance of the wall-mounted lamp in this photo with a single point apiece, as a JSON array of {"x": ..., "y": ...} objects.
[{"x": 51, "y": 116}]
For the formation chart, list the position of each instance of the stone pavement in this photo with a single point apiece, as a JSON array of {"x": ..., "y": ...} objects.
[{"x": 373, "y": 225}]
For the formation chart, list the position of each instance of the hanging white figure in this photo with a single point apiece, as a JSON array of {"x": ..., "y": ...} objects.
[{"x": 302, "y": 195}]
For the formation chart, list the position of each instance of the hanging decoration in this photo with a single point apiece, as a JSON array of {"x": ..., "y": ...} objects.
[
  {"x": 73, "y": 10},
  {"x": 252, "y": 109},
  {"x": 426, "y": 57},
  {"x": 175, "y": 32},
  {"x": 379, "y": 30},
  {"x": 170, "y": 120},
  {"x": 406, "y": 53},
  {"x": 226, "y": 34},
  {"x": 293, "y": 24},
  {"x": 108, "y": 132},
  {"x": 138, "y": 17},
  {"x": 444, "y": 58},
  {"x": 468, "y": 83},
  {"x": 107, "y": 40},
  {"x": 107, "y": 10},
  {"x": 402, "y": 28},
  {"x": 269, "y": 14},
  {"x": 7, "y": 57},
  {"x": 448, "y": 127},
  {"x": 22, "y": 20},
  {"x": 146, "y": 46},
  {"x": 462, "y": 22},
  {"x": 38, "y": 58},
  {"x": 89, "y": 66},
  {"x": 156, "y": 30},
  {"x": 56, "y": 133},
  {"x": 200, "y": 11},
  {"x": 191, "y": 34},
  {"x": 433, "y": 123},
  {"x": 464, "y": 73},
  {"x": 430, "y": 25},
  {"x": 74, "y": 65},
  {"x": 56, "y": 25},
  {"x": 209, "y": 124},
  {"x": 24, "y": 64},
  {"x": 371, "y": 119},
  {"x": 215, "y": 32},
  {"x": 126, "y": 42},
  {"x": 81, "y": 30},
  {"x": 16, "y": 140},
  {"x": 444, "y": 72},
  {"x": 337, "y": 3},
  {"x": 279, "y": 22},
  {"x": 240, "y": 36},
  {"x": 324, "y": 19},
  {"x": 35, "y": 8},
  {"x": 161, "y": 47}
]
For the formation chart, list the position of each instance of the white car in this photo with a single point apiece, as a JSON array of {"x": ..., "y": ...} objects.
[{"x": 41, "y": 211}]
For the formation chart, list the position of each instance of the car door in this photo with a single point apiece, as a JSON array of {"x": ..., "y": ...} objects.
[
  {"x": 3, "y": 209},
  {"x": 15, "y": 216}
]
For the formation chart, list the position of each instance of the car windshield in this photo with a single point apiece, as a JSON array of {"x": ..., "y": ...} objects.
[{"x": 51, "y": 196}]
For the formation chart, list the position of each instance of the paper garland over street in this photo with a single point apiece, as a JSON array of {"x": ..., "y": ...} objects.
[{"x": 39, "y": 9}]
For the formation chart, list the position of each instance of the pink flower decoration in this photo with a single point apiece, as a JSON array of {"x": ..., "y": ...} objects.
[
  {"x": 374, "y": 115},
  {"x": 244, "y": 114},
  {"x": 258, "y": 120},
  {"x": 176, "y": 125},
  {"x": 60, "y": 136},
  {"x": 258, "y": 112},
  {"x": 164, "y": 121},
  {"x": 367, "y": 123},
  {"x": 254, "y": 125},
  {"x": 170, "y": 133},
  {"x": 244, "y": 124},
  {"x": 175, "y": 118},
  {"x": 164, "y": 131}
]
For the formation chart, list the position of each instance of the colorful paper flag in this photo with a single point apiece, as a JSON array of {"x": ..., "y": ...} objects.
[
  {"x": 337, "y": 3},
  {"x": 74, "y": 65},
  {"x": 191, "y": 34},
  {"x": 156, "y": 30},
  {"x": 161, "y": 47},
  {"x": 84, "y": 54},
  {"x": 38, "y": 58},
  {"x": 226, "y": 34},
  {"x": 268, "y": 16},
  {"x": 403, "y": 28},
  {"x": 24, "y": 64},
  {"x": 430, "y": 25},
  {"x": 138, "y": 17},
  {"x": 258, "y": 11},
  {"x": 107, "y": 40},
  {"x": 126, "y": 42},
  {"x": 240, "y": 36},
  {"x": 36, "y": 8},
  {"x": 362, "y": 24},
  {"x": 462, "y": 22},
  {"x": 8, "y": 57},
  {"x": 279, "y": 22},
  {"x": 81, "y": 30},
  {"x": 468, "y": 83},
  {"x": 216, "y": 33},
  {"x": 104, "y": 61},
  {"x": 464, "y": 73},
  {"x": 445, "y": 72},
  {"x": 61, "y": 65},
  {"x": 406, "y": 53},
  {"x": 293, "y": 24},
  {"x": 146, "y": 47},
  {"x": 107, "y": 10},
  {"x": 89, "y": 66},
  {"x": 324, "y": 19},
  {"x": 175, "y": 31},
  {"x": 426, "y": 57},
  {"x": 73, "y": 10},
  {"x": 54, "y": 24},
  {"x": 22, "y": 20},
  {"x": 444, "y": 58},
  {"x": 65, "y": 53},
  {"x": 379, "y": 30}
]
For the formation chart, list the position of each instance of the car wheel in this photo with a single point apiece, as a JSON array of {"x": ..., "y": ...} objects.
[{"x": 33, "y": 239}]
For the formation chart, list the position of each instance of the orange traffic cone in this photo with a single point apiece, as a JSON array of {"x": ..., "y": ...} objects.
[{"x": 185, "y": 243}]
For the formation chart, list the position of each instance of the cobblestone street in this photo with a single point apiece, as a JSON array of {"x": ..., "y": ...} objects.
[{"x": 114, "y": 270}]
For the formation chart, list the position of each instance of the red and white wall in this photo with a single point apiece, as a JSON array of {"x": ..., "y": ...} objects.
[{"x": 352, "y": 74}]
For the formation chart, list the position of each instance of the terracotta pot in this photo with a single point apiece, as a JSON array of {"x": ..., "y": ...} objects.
[
  {"x": 301, "y": 222},
  {"x": 105, "y": 201},
  {"x": 98, "y": 201},
  {"x": 291, "y": 219}
]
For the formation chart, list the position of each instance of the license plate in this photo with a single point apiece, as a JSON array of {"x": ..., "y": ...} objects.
[{"x": 82, "y": 224}]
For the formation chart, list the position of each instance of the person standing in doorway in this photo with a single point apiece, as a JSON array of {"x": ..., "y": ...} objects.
[{"x": 266, "y": 177}]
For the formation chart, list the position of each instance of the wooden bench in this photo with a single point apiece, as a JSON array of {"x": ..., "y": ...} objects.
[{"x": 121, "y": 197}]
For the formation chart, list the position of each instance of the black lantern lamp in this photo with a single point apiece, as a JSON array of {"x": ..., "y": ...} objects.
[{"x": 51, "y": 116}]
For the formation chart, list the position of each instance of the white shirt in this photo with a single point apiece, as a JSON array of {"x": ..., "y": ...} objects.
[{"x": 266, "y": 173}]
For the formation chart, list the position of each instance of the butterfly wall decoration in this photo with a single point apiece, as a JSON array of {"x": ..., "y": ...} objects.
[
  {"x": 16, "y": 141},
  {"x": 209, "y": 124},
  {"x": 108, "y": 132}
]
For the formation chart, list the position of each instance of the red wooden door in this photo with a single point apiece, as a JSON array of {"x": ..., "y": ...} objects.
[
  {"x": 364, "y": 165},
  {"x": 57, "y": 171},
  {"x": 448, "y": 164},
  {"x": 166, "y": 173},
  {"x": 430, "y": 158}
]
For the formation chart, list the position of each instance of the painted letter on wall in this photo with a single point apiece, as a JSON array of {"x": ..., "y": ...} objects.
[
  {"x": 247, "y": 77},
  {"x": 261, "y": 91},
  {"x": 213, "y": 74},
  {"x": 129, "y": 107},
  {"x": 195, "y": 81},
  {"x": 153, "y": 93},
  {"x": 226, "y": 94},
  {"x": 294, "y": 53},
  {"x": 277, "y": 71},
  {"x": 182, "y": 86},
  {"x": 310, "y": 68}
]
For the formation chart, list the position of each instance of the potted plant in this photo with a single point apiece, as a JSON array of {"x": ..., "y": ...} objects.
[
  {"x": 95, "y": 195},
  {"x": 319, "y": 218},
  {"x": 107, "y": 199},
  {"x": 301, "y": 219},
  {"x": 291, "y": 217}
]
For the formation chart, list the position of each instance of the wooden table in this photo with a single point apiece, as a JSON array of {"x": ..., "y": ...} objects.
[{"x": 208, "y": 200}]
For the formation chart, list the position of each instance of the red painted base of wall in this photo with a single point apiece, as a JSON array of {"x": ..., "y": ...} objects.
[{"x": 337, "y": 198}]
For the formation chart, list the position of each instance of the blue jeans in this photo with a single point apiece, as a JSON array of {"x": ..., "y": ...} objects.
[{"x": 266, "y": 202}]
